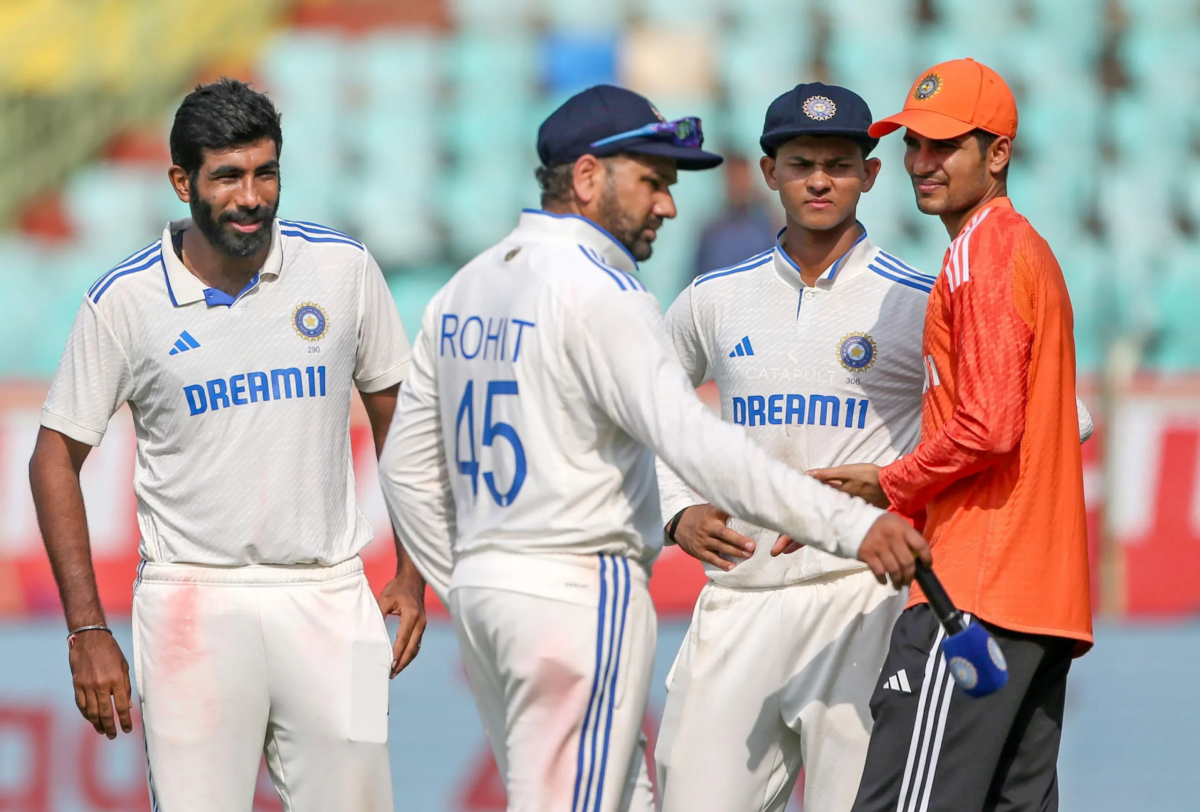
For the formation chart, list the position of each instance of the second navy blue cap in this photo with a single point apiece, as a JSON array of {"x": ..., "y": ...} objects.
[
  {"x": 602, "y": 112},
  {"x": 817, "y": 109}
]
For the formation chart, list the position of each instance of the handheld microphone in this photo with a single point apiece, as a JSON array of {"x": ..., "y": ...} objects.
[{"x": 975, "y": 659}]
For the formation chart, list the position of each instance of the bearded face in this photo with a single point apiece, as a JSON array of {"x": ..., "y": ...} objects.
[
  {"x": 634, "y": 229},
  {"x": 236, "y": 231}
]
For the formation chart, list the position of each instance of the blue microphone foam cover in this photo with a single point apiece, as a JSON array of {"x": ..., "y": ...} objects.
[{"x": 976, "y": 661}]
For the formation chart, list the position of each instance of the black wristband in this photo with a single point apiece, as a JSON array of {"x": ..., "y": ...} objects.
[{"x": 673, "y": 525}]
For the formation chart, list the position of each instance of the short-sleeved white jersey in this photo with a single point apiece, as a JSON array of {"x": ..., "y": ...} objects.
[
  {"x": 543, "y": 384},
  {"x": 819, "y": 376},
  {"x": 241, "y": 404}
]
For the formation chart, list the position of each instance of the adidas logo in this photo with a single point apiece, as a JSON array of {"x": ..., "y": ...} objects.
[
  {"x": 898, "y": 682},
  {"x": 184, "y": 343},
  {"x": 743, "y": 348}
]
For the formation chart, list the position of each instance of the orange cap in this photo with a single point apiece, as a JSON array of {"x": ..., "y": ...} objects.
[{"x": 953, "y": 98}]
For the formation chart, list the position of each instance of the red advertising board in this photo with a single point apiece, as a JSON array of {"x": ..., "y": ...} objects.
[{"x": 1150, "y": 472}]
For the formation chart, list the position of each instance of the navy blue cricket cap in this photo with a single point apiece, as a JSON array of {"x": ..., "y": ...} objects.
[
  {"x": 605, "y": 111},
  {"x": 817, "y": 109}
]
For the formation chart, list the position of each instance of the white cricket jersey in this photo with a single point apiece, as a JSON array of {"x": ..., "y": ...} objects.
[
  {"x": 819, "y": 376},
  {"x": 241, "y": 404},
  {"x": 543, "y": 383}
]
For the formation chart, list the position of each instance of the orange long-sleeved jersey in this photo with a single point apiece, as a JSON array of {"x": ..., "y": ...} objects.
[{"x": 998, "y": 469}]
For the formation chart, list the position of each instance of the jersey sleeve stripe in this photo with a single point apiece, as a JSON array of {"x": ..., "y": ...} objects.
[
  {"x": 708, "y": 277},
  {"x": 904, "y": 266},
  {"x": 311, "y": 238},
  {"x": 745, "y": 263},
  {"x": 315, "y": 228},
  {"x": 629, "y": 278},
  {"x": 748, "y": 261},
  {"x": 904, "y": 270},
  {"x": 616, "y": 277},
  {"x": 960, "y": 260},
  {"x": 154, "y": 260},
  {"x": 130, "y": 260},
  {"x": 965, "y": 259},
  {"x": 903, "y": 280}
]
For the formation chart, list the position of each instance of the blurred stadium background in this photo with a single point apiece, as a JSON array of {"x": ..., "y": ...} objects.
[{"x": 411, "y": 125}]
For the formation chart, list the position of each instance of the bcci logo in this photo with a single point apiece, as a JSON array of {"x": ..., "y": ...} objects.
[
  {"x": 310, "y": 321},
  {"x": 857, "y": 352},
  {"x": 819, "y": 108},
  {"x": 928, "y": 87},
  {"x": 965, "y": 674}
]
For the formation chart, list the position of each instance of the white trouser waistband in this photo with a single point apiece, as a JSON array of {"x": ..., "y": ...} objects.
[
  {"x": 567, "y": 577},
  {"x": 152, "y": 572}
]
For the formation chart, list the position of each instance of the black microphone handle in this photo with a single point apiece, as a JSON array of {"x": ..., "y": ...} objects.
[{"x": 943, "y": 607}]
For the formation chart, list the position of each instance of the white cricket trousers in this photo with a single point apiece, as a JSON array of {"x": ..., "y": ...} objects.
[
  {"x": 235, "y": 662},
  {"x": 562, "y": 686},
  {"x": 771, "y": 680}
]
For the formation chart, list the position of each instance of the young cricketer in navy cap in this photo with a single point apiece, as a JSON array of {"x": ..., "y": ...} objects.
[
  {"x": 815, "y": 346},
  {"x": 520, "y": 470}
]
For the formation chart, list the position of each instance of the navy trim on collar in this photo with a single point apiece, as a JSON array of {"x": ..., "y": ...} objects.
[{"x": 830, "y": 272}]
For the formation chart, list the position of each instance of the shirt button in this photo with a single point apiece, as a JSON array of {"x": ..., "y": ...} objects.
[{"x": 809, "y": 294}]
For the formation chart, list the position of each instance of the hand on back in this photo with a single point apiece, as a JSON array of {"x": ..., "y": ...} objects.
[
  {"x": 704, "y": 534},
  {"x": 891, "y": 545},
  {"x": 859, "y": 479}
]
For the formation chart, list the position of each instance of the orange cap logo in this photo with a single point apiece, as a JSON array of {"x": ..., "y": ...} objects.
[{"x": 928, "y": 87}]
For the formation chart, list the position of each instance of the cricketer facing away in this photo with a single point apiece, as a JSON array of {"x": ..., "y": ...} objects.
[
  {"x": 815, "y": 347},
  {"x": 520, "y": 464},
  {"x": 997, "y": 477},
  {"x": 235, "y": 340}
]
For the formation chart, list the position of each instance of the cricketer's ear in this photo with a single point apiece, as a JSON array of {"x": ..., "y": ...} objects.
[
  {"x": 588, "y": 179},
  {"x": 180, "y": 183},
  {"x": 998, "y": 155},
  {"x": 767, "y": 164},
  {"x": 871, "y": 167}
]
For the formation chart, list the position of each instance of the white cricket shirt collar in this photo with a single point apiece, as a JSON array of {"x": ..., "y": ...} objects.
[
  {"x": 581, "y": 231},
  {"x": 847, "y": 266},
  {"x": 185, "y": 288}
]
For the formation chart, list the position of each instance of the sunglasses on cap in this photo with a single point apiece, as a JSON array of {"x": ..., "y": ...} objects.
[{"x": 684, "y": 132}]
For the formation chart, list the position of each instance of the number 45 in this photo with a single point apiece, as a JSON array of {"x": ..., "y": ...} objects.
[{"x": 470, "y": 466}]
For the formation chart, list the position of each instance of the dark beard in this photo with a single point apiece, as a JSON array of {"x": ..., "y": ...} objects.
[
  {"x": 226, "y": 240},
  {"x": 623, "y": 227}
]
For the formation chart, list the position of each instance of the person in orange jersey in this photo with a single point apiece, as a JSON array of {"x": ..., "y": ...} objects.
[{"x": 996, "y": 479}]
